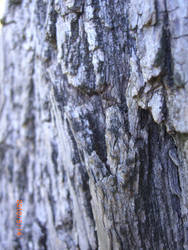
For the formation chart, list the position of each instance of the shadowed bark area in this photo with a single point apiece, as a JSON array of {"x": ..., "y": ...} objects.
[{"x": 94, "y": 125}]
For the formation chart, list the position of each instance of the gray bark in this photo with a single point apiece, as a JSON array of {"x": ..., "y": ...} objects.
[{"x": 94, "y": 124}]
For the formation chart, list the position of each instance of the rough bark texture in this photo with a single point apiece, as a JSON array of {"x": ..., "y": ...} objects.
[{"x": 94, "y": 124}]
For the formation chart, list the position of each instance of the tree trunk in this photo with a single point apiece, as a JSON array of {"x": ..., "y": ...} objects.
[{"x": 94, "y": 124}]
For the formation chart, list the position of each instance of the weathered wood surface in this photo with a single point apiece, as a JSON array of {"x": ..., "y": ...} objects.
[{"x": 94, "y": 124}]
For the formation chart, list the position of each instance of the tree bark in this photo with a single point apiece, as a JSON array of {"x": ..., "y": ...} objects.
[{"x": 94, "y": 124}]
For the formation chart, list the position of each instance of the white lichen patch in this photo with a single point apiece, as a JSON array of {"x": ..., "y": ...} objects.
[
  {"x": 91, "y": 35},
  {"x": 98, "y": 57},
  {"x": 135, "y": 82},
  {"x": 156, "y": 105},
  {"x": 142, "y": 13},
  {"x": 148, "y": 47},
  {"x": 69, "y": 3}
]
